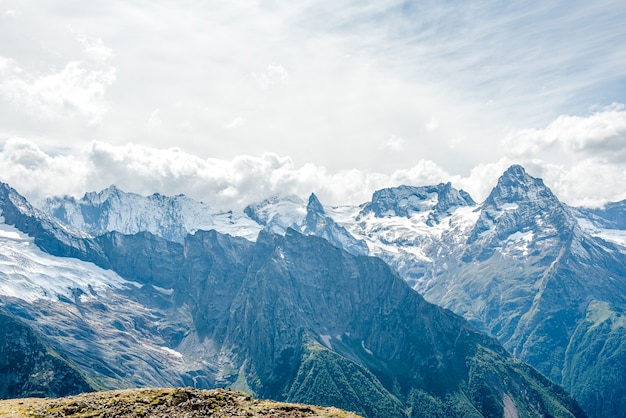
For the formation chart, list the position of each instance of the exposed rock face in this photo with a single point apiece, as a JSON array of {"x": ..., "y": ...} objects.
[
  {"x": 29, "y": 368},
  {"x": 405, "y": 200}
]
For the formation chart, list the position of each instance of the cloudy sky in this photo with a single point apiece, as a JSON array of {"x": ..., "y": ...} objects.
[{"x": 233, "y": 101}]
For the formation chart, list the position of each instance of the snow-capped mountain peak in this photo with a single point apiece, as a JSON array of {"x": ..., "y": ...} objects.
[
  {"x": 407, "y": 200},
  {"x": 171, "y": 217},
  {"x": 278, "y": 213},
  {"x": 519, "y": 204},
  {"x": 517, "y": 186}
]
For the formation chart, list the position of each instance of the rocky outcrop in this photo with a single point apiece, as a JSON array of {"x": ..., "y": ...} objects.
[{"x": 164, "y": 403}]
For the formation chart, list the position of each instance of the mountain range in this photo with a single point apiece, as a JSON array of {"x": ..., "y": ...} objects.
[{"x": 294, "y": 300}]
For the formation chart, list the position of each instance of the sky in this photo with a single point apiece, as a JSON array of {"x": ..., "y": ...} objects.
[{"x": 230, "y": 102}]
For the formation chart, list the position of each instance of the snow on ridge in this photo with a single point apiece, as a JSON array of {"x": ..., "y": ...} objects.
[
  {"x": 615, "y": 236},
  {"x": 326, "y": 340},
  {"x": 129, "y": 213},
  {"x": 172, "y": 352}
]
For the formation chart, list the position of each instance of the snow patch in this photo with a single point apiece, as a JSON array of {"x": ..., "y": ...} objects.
[
  {"x": 171, "y": 352},
  {"x": 521, "y": 236},
  {"x": 509, "y": 206},
  {"x": 616, "y": 236},
  {"x": 326, "y": 340},
  {"x": 510, "y": 410},
  {"x": 368, "y": 351},
  {"x": 163, "y": 291}
]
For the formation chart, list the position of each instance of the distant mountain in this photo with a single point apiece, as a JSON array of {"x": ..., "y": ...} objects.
[
  {"x": 286, "y": 317},
  {"x": 521, "y": 266},
  {"x": 407, "y": 200},
  {"x": 169, "y": 217},
  {"x": 610, "y": 216}
]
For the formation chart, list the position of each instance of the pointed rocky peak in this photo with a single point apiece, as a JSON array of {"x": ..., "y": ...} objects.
[
  {"x": 521, "y": 212},
  {"x": 401, "y": 201},
  {"x": 314, "y": 205},
  {"x": 4, "y": 188},
  {"x": 317, "y": 223},
  {"x": 516, "y": 186},
  {"x": 13, "y": 202}
]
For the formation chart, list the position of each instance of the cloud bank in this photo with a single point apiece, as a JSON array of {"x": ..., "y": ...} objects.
[{"x": 593, "y": 178}]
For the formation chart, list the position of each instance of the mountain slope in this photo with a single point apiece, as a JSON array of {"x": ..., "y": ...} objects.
[
  {"x": 29, "y": 368},
  {"x": 519, "y": 267},
  {"x": 357, "y": 308}
]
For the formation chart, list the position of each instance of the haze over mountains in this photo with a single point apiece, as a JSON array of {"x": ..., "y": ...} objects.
[{"x": 156, "y": 300}]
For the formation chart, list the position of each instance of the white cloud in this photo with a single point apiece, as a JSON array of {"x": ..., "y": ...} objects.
[
  {"x": 432, "y": 125},
  {"x": 393, "y": 143},
  {"x": 37, "y": 174},
  {"x": 601, "y": 134},
  {"x": 9, "y": 14},
  {"x": 75, "y": 91},
  {"x": 231, "y": 184},
  {"x": 235, "y": 122},
  {"x": 482, "y": 178},
  {"x": 309, "y": 77},
  {"x": 222, "y": 183},
  {"x": 453, "y": 78},
  {"x": 95, "y": 48},
  {"x": 589, "y": 182},
  {"x": 273, "y": 76}
]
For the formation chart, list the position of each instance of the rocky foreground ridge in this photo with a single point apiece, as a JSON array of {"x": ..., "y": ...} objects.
[{"x": 171, "y": 403}]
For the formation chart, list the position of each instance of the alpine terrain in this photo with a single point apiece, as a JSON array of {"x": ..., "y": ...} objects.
[
  {"x": 286, "y": 316},
  {"x": 547, "y": 280}
]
